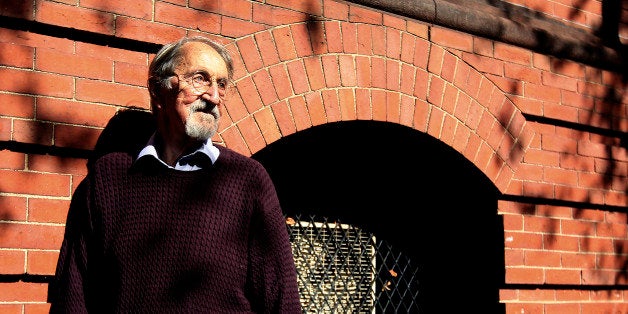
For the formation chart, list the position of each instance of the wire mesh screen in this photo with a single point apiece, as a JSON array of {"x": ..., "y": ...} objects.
[{"x": 344, "y": 269}]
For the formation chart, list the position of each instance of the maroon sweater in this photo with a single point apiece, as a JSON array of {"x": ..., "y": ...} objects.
[{"x": 144, "y": 238}]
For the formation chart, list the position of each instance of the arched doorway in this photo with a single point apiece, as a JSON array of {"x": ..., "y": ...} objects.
[{"x": 436, "y": 212}]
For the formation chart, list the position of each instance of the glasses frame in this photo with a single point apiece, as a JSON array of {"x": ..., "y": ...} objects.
[{"x": 206, "y": 82}]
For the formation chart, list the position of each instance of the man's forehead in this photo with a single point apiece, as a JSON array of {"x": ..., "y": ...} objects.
[{"x": 198, "y": 54}]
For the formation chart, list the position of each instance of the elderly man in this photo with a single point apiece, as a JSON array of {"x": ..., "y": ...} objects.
[{"x": 185, "y": 225}]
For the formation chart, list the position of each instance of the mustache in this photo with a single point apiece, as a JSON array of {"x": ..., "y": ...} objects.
[{"x": 204, "y": 106}]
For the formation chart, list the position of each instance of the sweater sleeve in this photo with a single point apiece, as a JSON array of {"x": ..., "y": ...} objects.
[
  {"x": 68, "y": 289},
  {"x": 273, "y": 271}
]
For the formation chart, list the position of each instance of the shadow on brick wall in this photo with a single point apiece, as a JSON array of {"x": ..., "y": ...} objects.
[{"x": 127, "y": 131}]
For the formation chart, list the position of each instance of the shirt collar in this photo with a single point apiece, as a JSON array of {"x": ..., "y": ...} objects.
[{"x": 186, "y": 162}]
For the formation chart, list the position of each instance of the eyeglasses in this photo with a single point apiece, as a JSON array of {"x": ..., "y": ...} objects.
[{"x": 201, "y": 83}]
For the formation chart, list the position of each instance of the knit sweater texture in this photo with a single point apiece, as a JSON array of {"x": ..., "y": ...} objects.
[{"x": 142, "y": 238}]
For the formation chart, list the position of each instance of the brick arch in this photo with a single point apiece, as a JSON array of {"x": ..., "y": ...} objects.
[{"x": 291, "y": 78}]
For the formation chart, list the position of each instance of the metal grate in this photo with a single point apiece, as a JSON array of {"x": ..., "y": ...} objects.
[{"x": 344, "y": 269}]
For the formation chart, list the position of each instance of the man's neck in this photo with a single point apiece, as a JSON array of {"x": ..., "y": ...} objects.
[{"x": 170, "y": 150}]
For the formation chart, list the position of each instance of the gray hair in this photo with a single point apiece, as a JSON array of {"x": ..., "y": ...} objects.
[{"x": 167, "y": 58}]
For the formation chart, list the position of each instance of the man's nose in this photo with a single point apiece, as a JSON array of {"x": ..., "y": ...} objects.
[{"x": 212, "y": 94}]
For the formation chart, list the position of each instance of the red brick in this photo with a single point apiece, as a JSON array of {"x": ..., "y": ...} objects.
[
  {"x": 379, "y": 41},
  {"x": 314, "y": 69},
  {"x": 141, "y": 8},
  {"x": 452, "y": 39},
  {"x": 250, "y": 55},
  {"x": 346, "y": 100},
  {"x": 267, "y": 48},
  {"x": 436, "y": 119},
  {"x": 332, "y": 106},
  {"x": 417, "y": 28},
  {"x": 392, "y": 75},
  {"x": 30, "y": 236},
  {"x": 23, "y": 292},
  {"x": 12, "y": 160},
  {"x": 309, "y": 7},
  {"x": 5, "y": 129},
  {"x": 36, "y": 308},
  {"x": 132, "y": 28},
  {"x": 249, "y": 94},
  {"x": 99, "y": 91},
  {"x": 21, "y": 106},
  {"x": 34, "y": 40},
  {"x": 299, "y": 113},
  {"x": 285, "y": 43},
  {"x": 270, "y": 15},
  {"x": 536, "y": 295},
  {"x": 232, "y": 27},
  {"x": 378, "y": 105},
  {"x": 335, "y": 10},
  {"x": 406, "y": 110},
  {"x": 365, "y": 15},
  {"x": 235, "y": 8},
  {"x": 48, "y": 210},
  {"x": 29, "y": 82},
  {"x": 393, "y": 43},
  {"x": 41, "y": 262},
  {"x": 298, "y": 77},
  {"x": 56, "y": 164},
  {"x": 363, "y": 104},
  {"x": 334, "y": 36},
  {"x": 251, "y": 134},
  {"x": 392, "y": 21},
  {"x": 21, "y": 56},
  {"x": 407, "y": 47},
  {"x": 233, "y": 139},
  {"x": 13, "y": 208},
  {"x": 319, "y": 38},
  {"x": 12, "y": 262},
  {"x": 303, "y": 39},
  {"x": 315, "y": 108},
  {"x": 363, "y": 71},
  {"x": 74, "y": 112},
  {"x": 128, "y": 73},
  {"x": 284, "y": 118},
  {"x": 75, "y": 17},
  {"x": 421, "y": 113},
  {"x": 38, "y": 183},
  {"x": 267, "y": 125},
  {"x": 35, "y": 132},
  {"x": 393, "y": 104},
  {"x": 524, "y": 276},
  {"x": 281, "y": 81},
  {"x": 512, "y": 54},
  {"x": 188, "y": 18},
  {"x": 265, "y": 86},
  {"x": 346, "y": 66},
  {"x": 110, "y": 53},
  {"x": 365, "y": 39},
  {"x": 447, "y": 130},
  {"x": 349, "y": 37}
]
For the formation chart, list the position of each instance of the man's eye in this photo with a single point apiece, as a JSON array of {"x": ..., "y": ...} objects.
[
  {"x": 198, "y": 79},
  {"x": 222, "y": 84}
]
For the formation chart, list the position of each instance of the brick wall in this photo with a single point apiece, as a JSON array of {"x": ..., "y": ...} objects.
[{"x": 550, "y": 133}]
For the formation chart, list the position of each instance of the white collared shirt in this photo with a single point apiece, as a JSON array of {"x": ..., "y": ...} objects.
[{"x": 207, "y": 148}]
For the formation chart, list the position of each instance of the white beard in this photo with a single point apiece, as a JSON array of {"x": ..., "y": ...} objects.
[{"x": 199, "y": 130}]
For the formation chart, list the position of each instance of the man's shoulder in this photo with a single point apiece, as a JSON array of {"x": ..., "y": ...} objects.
[
  {"x": 111, "y": 160},
  {"x": 232, "y": 157}
]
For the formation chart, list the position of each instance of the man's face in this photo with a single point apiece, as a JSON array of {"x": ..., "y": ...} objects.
[{"x": 194, "y": 110}]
